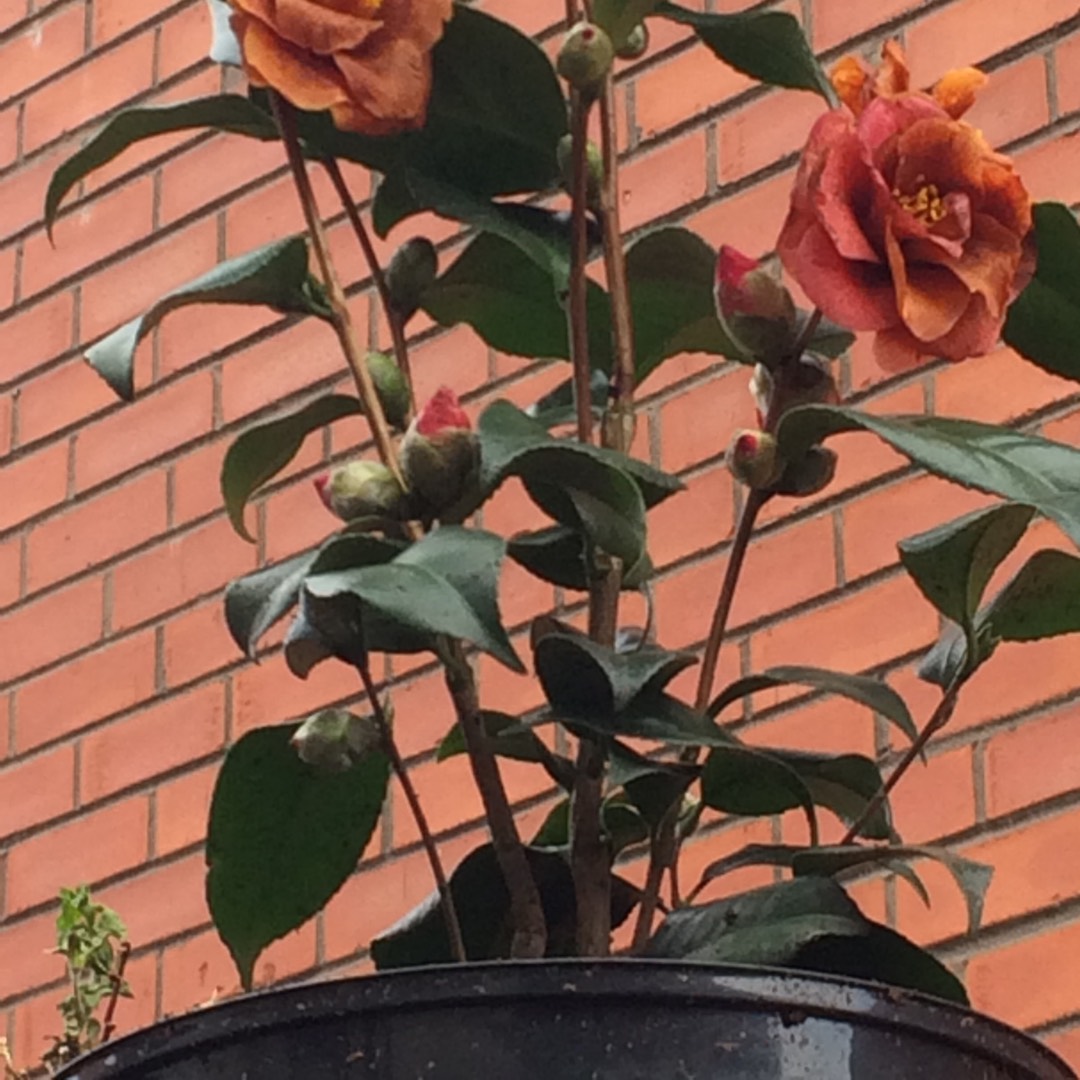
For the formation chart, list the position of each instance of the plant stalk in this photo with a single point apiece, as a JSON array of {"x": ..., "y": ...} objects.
[
  {"x": 354, "y": 355},
  {"x": 938, "y": 719},
  {"x": 529, "y": 939},
  {"x": 397, "y": 329},
  {"x": 116, "y": 980},
  {"x": 577, "y": 300},
  {"x": 397, "y": 763}
]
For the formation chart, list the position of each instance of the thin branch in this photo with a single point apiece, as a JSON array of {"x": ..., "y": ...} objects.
[
  {"x": 116, "y": 979},
  {"x": 577, "y": 301},
  {"x": 397, "y": 763},
  {"x": 938, "y": 719},
  {"x": 807, "y": 334},
  {"x": 397, "y": 329},
  {"x": 354, "y": 355},
  {"x": 526, "y": 910}
]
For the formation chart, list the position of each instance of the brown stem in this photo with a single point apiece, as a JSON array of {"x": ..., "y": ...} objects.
[
  {"x": 116, "y": 979},
  {"x": 354, "y": 356},
  {"x": 577, "y": 301},
  {"x": 938, "y": 719},
  {"x": 526, "y": 911},
  {"x": 397, "y": 763},
  {"x": 807, "y": 333},
  {"x": 397, "y": 329}
]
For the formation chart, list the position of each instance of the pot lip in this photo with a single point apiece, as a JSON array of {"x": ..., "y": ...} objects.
[{"x": 795, "y": 994}]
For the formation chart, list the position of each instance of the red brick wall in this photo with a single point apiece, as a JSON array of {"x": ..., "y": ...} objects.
[{"x": 119, "y": 688}]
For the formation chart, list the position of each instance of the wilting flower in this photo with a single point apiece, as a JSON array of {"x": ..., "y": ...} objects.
[
  {"x": 439, "y": 454},
  {"x": 903, "y": 219},
  {"x": 367, "y": 61}
]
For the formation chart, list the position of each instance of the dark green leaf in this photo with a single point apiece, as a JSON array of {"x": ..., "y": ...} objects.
[
  {"x": 652, "y": 787},
  {"x": 557, "y": 555},
  {"x": 1020, "y": 468},
  {"x": 620, "y": 17},
  {"x": 510, "y": 301},
  {"x": 953, "y": 563},
  {"x": 221, "y": 112},
  {"x": 874, "y": 693},
  {"x": 275, "y": 276},
  {"x": 483, "y": 908},
  {"x": 261, "y": 452},
  {"x": 256, "y": 601},
  {"x": 283, "y": 837},
  {"x": 769, "y": 46},
  {"x": 828, "y": 339},
  {"x": 1044, "y": 321},
  {"x": 558, "y": 407},
  {"x": 1043, "y": 600},
  {"x": 671, "y": 275},
  {"x": 947, "y": 660}
]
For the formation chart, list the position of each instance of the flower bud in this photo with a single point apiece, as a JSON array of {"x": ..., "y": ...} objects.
[
  {"x": 806, "y": 381},
  {"x": 411, "y": 270},
  {"x": 594, "y": 166},
  {"x": 334, "y": 740},
  {"x": 752, "y": 458},
  {"x": 585, "y": 57},
  {"x": 361, "y": 489},
  {"x": 636, "y": 44},
  {"x": 391, "y": 388},
  {"x": 810, "y": 474},
  {"x": 753, "y": 306},
  {"x": 439, "y": 454}
]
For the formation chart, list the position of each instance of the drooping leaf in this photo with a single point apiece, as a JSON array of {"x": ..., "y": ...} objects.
[
  {"x": 1020, "y": 468},
  {"x": 947, "y": 660},
  {"x": 558, "y": 407},
  {"x": 220, "y": 112},
  {"x": 255, "y": 602},
  {"x": 769, "y": 46},
  {"x": 483, "y": 908},
  {"x": 1043, "y": 323},
  {"x": 275, "y": 276},
  {"x": 1042, "y": 600},
  {"x": 875, "y": 694},
  {"x": 670, "y": 274},
  {"x": 261, "y": 452},
  {"x": 652, "y": 787},
  {"x": 953, "y": 563},
  {"x": 283, "y": 837}
]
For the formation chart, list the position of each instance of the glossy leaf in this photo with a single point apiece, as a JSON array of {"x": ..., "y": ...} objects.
[
  {"x": 1043, "y": 323},
  {"x": 769, "y": 46},
  {"x": 283, "y": 838},
  {"x": 1020, "y": 468},
  {"x": 1043, "y": 600},
  {"x": 255, "y": 602},
  {"x": 274, "y": 276},
  {"x": 874, "y": 693},
  {"x": 620, "y": 17},
  {"x": 947, "y": 660},
  {"x": 261, "y": 452},
  {"x": 221, "y": 112}
]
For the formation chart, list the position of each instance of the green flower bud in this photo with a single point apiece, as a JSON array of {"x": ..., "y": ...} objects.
[
  {"x": 391, "y": 388},
  {"x": 334, "y": 740},
  {"x": 594, "y": 165},
  {"x": 752, "y": 458},
  {"x": 411, "y": 270},
  {"x": 585, "y": 57},
  {"x": 636, "y": 44},
  {"x": 361, "y": 489},
  {"x": 810, "y": 474}
]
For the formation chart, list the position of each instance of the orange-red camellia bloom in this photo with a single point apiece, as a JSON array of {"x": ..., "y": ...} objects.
[
  {"x": 367, "y": 61},
  {"x": 903, "y": 220}
]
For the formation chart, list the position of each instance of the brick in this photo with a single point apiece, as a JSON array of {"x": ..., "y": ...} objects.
[
  {"x": 1013, "y": 103},
  {"x": 663, "y": 180},
  {"x": 33, "y": 483},
  {"x": 26, "y": 944},
  {"x": 37, "y": 789},
  {"x": 184, "y": 41},
  {"x": 764, "y": 131},
  {"x": 13, "y": 13},
  {"x": 181, "y": 810},
  {"x": 60, "y": 397},
  {"x": 1027, "y": 982},
  {"x": 97, "y": 529},
  {"x": 191, "y": 335},
  {"x": 197, "y": 642},
  {"x": 697, "y": 424},
  {"x": 93, "y": 846},
  {"x": 51, "y": 627},
  {"x": 1065, "y": 1043},
  {"x": 831, "y": 724},
  {"x": 295, "y": 520},
  {"x": 9, "y": 135},
  {"x": 90, "y": 91},
  {"x": 423, "y": 713},
  {"x": 1067, "y": 68},
  {"x": 521, "y": 596},
  {"x": 46, "y": 46},
  {"x": 125, "y": 289},
  {"x": 692, "y": 520},
  {"x": 196, "y": 481},
  {"x": 935, "y": 799},
  {"x": 852, "y": 633},
  {"x": 162, "y": 901},
  {"x": 457, "y": 358},
  {"x": 35, "y": 334},
  {"x": 258, "y": 217},
  {"x": 1048, "y": 168},
  {"x": 86, "y": 234},
  {"x": 7, "y": 275},
  {"x": 506, "y": 690},
  {"x": 92, "y": 687},
  {"x": 25, "y": 186},
  {"x": 161, "y": 737},
  {"x": 837, "y": 20},
  {"x": 1026, "y": 765},
  {"x": 10, "y": 570},
  {"x": 115, "y": 17}
]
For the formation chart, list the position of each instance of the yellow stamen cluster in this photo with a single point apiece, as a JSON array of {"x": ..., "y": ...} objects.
[{"x": 926, "y": 204}]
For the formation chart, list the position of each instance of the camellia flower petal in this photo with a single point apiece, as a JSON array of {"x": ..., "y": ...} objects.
[
  {"x": 367, "y": 61},
  {"x": 904, "y": 220}
]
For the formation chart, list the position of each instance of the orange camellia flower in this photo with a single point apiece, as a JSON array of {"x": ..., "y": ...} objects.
[
  {"x": 903, "y": 220},
  {"x": 367, "y": 61}
]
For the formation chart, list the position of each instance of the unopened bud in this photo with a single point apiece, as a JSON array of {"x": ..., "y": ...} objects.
[
  {"x": 635, "y": 45},
  {"x": 391, "y": 388},
  {"x": 810, "y": 474},
  {"x": 361, "y": 489},
  {"x": 334, "y": 740},
  {"x": 752, "y": 458},
  {"x": 594, "y": 166},
  {"x": 753, "y": 306},
  {"x": 585, "y": 57},
  {"x": 806, "y": 381},
  {"x": 411, "y": 270},
  {"x": 439, "y": 454}
]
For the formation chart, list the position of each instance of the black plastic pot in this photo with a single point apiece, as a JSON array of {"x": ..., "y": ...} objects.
[{"x": 578, "y": 1020}]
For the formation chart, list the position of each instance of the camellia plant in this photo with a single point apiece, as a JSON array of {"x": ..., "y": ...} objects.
[{"x": 903, "y": 222}]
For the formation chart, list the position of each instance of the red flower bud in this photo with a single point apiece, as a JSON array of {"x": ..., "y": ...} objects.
[
  {"x": 439, "y": 454},
  {"x": 361, "y": 489},
  {"x": 752, "y": 458},
  {"x": 753, "y": 306}
]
